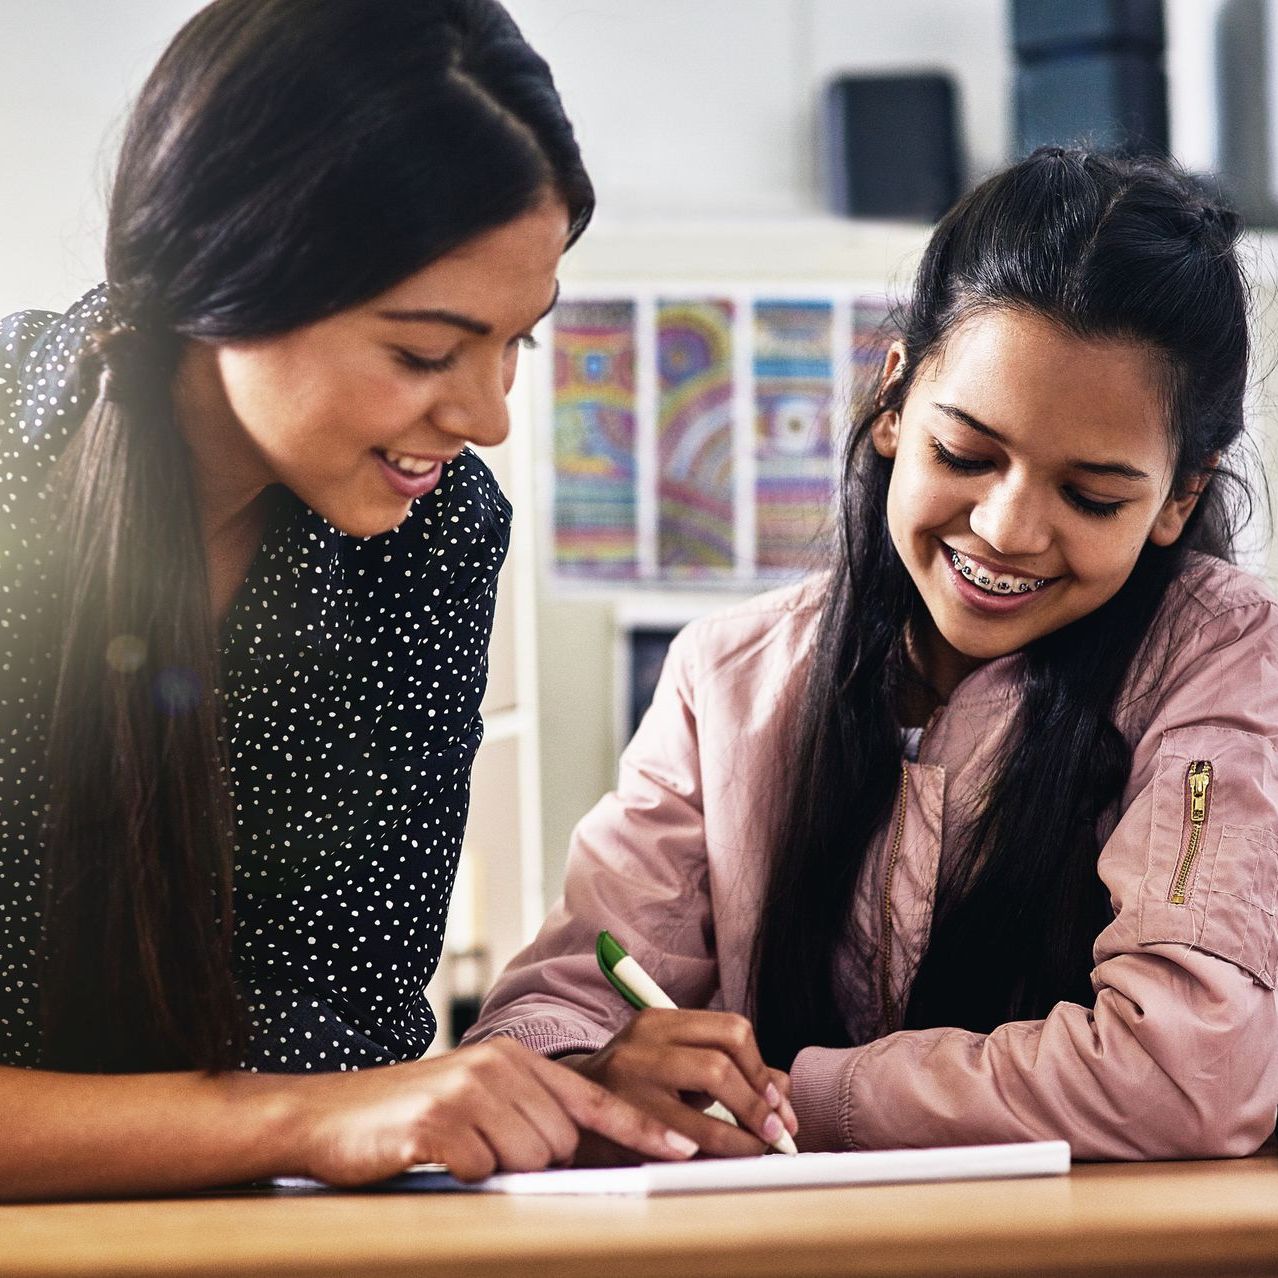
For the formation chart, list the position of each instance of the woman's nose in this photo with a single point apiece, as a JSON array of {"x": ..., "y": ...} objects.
[
  {"x": 1012, "y": 519},
  {"x": 474, "y": 409}
]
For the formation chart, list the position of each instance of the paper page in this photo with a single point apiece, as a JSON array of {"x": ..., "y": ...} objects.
[{"x": 772, "y": 1171}]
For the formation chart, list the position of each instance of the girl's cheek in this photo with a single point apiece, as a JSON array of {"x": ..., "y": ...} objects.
[{"x": 927, "y": 500}]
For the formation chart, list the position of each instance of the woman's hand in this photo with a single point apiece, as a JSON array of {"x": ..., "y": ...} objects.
[
  {"x": 495, "y": 1106},
  {"x": 671, "y": 1064}
]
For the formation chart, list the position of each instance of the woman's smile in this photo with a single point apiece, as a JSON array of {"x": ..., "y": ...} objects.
[{"x": 409, "y": 476}]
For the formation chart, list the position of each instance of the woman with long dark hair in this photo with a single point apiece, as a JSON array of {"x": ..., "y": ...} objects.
[
  {"x": 977, "y": 833},
  {"x": 247, "y": 570}
]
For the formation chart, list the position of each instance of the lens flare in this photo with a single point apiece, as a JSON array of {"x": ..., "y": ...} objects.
[
  {"x": 126, "y": 653},
  {"x": 177, "y": 690}
]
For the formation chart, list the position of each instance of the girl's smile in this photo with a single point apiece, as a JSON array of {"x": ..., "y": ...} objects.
[
  {"x": 993, "y": 587},
  {"x": 1030, "y": 466}
]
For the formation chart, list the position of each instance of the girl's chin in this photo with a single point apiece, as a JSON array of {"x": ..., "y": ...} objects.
[
  {"x": 978, "y": 644},
  {"x": 977, "y": 639}
]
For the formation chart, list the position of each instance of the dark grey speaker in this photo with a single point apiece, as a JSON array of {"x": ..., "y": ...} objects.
[
  {"x": 1090, "y": 72},
  {"x": 1050, "y": 27},
  {"x": 890, "y": 146}
]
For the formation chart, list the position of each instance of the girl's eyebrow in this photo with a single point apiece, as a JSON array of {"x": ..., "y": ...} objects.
[
  {"x": 1121, "y": 470},
  {"x": 471, "y": 325}
]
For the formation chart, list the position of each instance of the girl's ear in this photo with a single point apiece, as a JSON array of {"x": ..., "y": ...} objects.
[
  {"x": 887, "y": 425},
  {"x": 1171, "y": 519}
]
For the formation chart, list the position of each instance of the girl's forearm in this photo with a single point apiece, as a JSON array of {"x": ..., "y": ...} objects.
[{"x": 72, "y": 1135}]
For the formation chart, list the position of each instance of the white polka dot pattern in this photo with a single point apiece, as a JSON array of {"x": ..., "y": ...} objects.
[{"x": 352, "y": 674}]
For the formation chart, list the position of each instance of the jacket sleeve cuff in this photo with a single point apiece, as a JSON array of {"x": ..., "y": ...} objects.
[
  {"x": 820, "y": 1092},
  {"x": 548, "y": 1038}
]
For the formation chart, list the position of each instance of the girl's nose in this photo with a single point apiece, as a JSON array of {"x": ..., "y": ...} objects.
[{"x": 1012, "y": 519}]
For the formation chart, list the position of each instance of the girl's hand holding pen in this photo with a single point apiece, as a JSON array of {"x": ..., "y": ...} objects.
[{"x": 672, "y": 1063}]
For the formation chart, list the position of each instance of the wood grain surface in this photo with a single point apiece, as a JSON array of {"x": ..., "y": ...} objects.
[{"x": 1209, "y": 1218}]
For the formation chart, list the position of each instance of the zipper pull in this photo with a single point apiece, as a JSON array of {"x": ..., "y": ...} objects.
[{"x": 1199, "y": 780}]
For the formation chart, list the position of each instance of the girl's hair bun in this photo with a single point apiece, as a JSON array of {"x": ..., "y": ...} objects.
[{"x": 1219, "y": 221}]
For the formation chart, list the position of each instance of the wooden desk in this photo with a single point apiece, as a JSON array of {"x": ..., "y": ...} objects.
[{"x": 1164, "y": 1219}]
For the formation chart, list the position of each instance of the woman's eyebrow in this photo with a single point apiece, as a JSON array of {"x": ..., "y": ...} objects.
[
  {"x": 467, "y": 322},
  {"x": 1121, "y": 470},
  {"x": 455, "y": 318}
]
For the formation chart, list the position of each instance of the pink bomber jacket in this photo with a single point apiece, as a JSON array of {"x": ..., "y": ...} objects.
[{"x": 1178, "y": 1057}]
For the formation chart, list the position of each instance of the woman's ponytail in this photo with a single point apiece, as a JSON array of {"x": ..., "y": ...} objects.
[{"x": 138, "y": 858}]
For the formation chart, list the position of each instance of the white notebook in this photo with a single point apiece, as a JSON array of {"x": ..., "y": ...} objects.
[{"x": 772, "y": 1171}]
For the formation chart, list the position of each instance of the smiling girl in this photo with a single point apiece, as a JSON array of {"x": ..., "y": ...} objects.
[
  {"x": 976, "y": 834},
  {"x": 247, "y": 575}
]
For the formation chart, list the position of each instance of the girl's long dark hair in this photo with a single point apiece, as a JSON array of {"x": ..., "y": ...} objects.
[
  {"x": 1105, "y": 247},
  {"x": 286, "y": 159}
]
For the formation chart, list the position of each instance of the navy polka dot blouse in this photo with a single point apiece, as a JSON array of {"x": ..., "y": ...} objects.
[{"x": 352, "y": 674}]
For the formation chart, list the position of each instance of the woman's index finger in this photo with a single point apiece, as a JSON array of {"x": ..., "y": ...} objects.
[{"x": 598, "y": 1110}]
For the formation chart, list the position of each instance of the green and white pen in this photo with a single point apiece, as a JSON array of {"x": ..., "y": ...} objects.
[{"x": 639, "y": 990}]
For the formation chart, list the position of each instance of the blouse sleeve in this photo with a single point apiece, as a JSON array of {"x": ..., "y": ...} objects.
[
  {"x": 636, "y": 866},
  {"x": 18, "y": 334},
  {"x": 1179, "y": 1056}
]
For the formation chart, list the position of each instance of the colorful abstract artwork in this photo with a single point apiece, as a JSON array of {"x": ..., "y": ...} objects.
[
  {"x": 594, "y": 426},
  {"x": 697, "y": 435},
  {"x": 695, "y": 530},
  {"x": 793, "y": 465}
]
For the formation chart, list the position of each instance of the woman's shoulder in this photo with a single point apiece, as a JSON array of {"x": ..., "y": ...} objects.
[
  {"x": 37, "y": 343},
  {"x": 41, "y": 398},
  {"x": 20, "y": 334}
]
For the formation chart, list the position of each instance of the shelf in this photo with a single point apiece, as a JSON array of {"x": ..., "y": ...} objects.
[
  {"x": 789, "y": 250},
  {"x": 782, "y": 249}
]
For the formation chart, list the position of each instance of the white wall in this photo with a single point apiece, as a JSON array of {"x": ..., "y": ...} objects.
[
  {"x": 68, "y": 70},
  {"x": 685, "y": 108},
  {"x": 708, "y": 107},
  {"x": 700, "y": 108}
]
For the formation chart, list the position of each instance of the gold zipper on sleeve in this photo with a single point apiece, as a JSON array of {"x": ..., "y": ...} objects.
[{"x": 1197, "y": 802}]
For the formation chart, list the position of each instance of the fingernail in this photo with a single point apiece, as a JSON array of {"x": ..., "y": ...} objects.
[
  {"x": 774, "y": 1096},
  {"x": 773, "y": 1128},
  {"x": 680, "y": 1143}
]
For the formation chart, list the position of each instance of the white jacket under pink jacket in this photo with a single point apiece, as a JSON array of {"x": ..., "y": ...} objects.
[{"x": 1179, "y": 1056}]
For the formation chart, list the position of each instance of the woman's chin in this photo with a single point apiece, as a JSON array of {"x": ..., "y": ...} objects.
[{"x": 365, "y": 523}]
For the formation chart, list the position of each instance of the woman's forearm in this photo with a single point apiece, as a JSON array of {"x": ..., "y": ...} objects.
[
  {"x": 73, "y": 1135},
  {"x": 494, "y": 1106}
]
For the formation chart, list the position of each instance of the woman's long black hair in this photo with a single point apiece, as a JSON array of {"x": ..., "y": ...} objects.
[
  {"x": 286, "y": 159},
  {"x": 1105, "y": 247}
]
